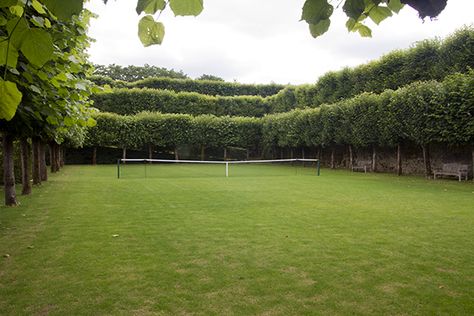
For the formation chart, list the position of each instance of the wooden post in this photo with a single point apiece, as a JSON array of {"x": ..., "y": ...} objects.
[
  {"x": 333, "y": 165},
  {"x": 427, "y": 160},
  {"x": 36, "y": 168},
  {"x": 374, "y": 159},
  {"x": 42, "y": 156},
  {"x": 399, "y": 160},
  {"x": 94, "y": 156},
  {"x": 351, "y": 158},
  {"x": 8, "y": 170},
  {"x": 25, "y": 166}
]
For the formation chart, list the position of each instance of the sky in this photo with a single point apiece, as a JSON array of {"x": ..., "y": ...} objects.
[{"x": 259, "y": 41}]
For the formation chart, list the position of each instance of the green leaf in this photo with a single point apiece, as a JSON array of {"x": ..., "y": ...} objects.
[
  {"x": 12, "y": 53},
  {"x": 363, "y": 30},
  {"x": 16, "y": 10},
  {"x": 11, "y": 98},
  {"x": 17, "y": 29},
  {"x": 378, "y": 14},
  {"x": 64, "y": 10},
  {"x": 354, "y": 8},
  {"x": 7, "y": 3},
  {"x": 186, "y": 7},
  {"x": 320, "y": 28},
  {"x": 150, "y": 32},
  {"x": 150, "y": 6},
  {"x": 395, "y": 5},
  {"x": 38, "y": 6},
  {"x": 37, "y": 47},
  {"x": 315, "y": 11}
]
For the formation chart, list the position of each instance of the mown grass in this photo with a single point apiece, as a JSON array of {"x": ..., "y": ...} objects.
[{"x": 337, "y": 244}]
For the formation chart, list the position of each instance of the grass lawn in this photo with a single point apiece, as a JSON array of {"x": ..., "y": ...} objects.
[{"x": 276, "y": 243}]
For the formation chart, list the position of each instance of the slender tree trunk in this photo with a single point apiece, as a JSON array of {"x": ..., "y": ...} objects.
[
  {"x": 351, "y": 157},
  {"x": 399, "y": 159},
  {"x": 374, "y": 159},
  {"x": 333, "y": 165},
  {"x": 225, "y": 153},
  {"x": 52, "y": 157},
  {"x": 291, "y": 153},
  {"x": 302, "y": 155},
  {"x": 25, "y": 166},
  {"x": 427, "y": 160},
  {"x": 58, "y": 157},
  {"x": 472, "y": 154},
  {"x": 36, "y": 169},
  {"x": 281, "y": 153},
  {"x": 8, "y": 170},
  {"x": 42, "y": 156},
  {"x": 94, "y": 156},
  {"x": 203, "y": 152},
  {"x": 320, "y": 152},
  {"x": 150, "y": 152},
  {"x": 62, "y": 154},
  {"x": 124, "y": 154},
  {"x": 176, "y": 153},
  {"x": 248, "y": 153}
]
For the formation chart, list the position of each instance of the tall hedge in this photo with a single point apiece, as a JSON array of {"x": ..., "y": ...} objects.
[{"x": 132, "y": 101}]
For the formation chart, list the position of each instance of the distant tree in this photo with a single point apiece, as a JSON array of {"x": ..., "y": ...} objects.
[
  {"x": 210, "y": 77},
  {"x": 134, "y": 73}
]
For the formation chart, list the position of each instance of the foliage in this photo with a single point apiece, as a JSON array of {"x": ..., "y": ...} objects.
[
  {"x": 132, "y": 101},
  {"x": 133, "y": 73},
  {"x": 209, "y": 87},
  {"x": 210, "y": 78}
]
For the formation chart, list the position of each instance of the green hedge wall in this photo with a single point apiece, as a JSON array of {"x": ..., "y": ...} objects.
[
  {"x": 207, "y": 87},
  {"x": 132, "y": 101},
  {"x": 420, "y": 113}
]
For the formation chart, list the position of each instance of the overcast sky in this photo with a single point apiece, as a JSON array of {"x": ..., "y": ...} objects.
[{"x": 258, "y": 41}]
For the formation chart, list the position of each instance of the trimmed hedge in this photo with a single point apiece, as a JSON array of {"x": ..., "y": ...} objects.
[
  {"x": 132, "y": 101},
  {"x": 207, "y": 87}
]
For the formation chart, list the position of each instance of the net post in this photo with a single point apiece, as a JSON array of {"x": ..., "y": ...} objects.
[
  {"x": 118, "y": 168},
  {"x": 318, "y": 165},
  {"x": 226, "y": 169}
]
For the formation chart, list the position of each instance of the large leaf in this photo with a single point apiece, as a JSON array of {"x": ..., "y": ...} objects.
[
  {"x": 150, "y": 32},
  {"x": 187, "y": 7},
  {"x": 378, "y": 14},
  {"x": 320, "y": 28},
  {"x": 150, "y": 6},
  {"x": 37, "y": 47},
  {"x": 11, "y": 98},
  {"x": 395, "y": 5},
  {"x": 17, "y": 29},
  {"x": 315, "y": 11},
  {"x": 354, "y": 8},
  {"x": 12, "y": 53},
  {"x": 64, "y": 9},
  {"x": 7, "y": 3}
]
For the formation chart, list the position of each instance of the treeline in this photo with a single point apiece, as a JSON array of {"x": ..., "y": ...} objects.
[
  {"x": 132, "y": 101},
  {"x": 420, "y": 113},
  {"x": 426, "y": 60},
  {"x": 134, "y": 73}
]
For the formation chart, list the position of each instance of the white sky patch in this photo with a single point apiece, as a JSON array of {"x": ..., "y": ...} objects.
[{"x": 258, "y": 41}]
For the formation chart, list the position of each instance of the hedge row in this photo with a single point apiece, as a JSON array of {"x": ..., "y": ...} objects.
[
  {"x": 132, "y": 101},
  {"x": 422, "y": 112},
  {"x": 426, "y": 60}
]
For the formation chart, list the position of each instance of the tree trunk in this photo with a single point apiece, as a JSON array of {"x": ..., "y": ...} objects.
[
  {"x": 333, "y": 165},
  {"x": 225, "y": 153},
  {"x": 58, "y": 157},
  {"x": 320, "y": 152},
  {"x": 25, "y": 166},
  {"x": 8, "y": 170},
  {"x": 150, "y": 152},
  {"x": 472, "y": 154},
  {"x": 203, "y": 152},
  {"x": 302, "y": 155},
  {"x": 248, "y": 153},
  {"x": 62, "y": 154},
  {"x": 399, "y": 160},
  {"x": 52, "y": 157},
  {"x": 351, "y": 157},
  {"x": 176, "y": 154},
  {"x": 427, "y": 160},
  {"x": 42, "y": 156},
  {"x": 374, "y": 159},
  {"x": 36, "y": 169},
  {"x": 94, "y": 156},
  {"x": 124, "y": 154},
  {"x": 281, "y": 153},
  {"x": 291, "y": 153}
]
